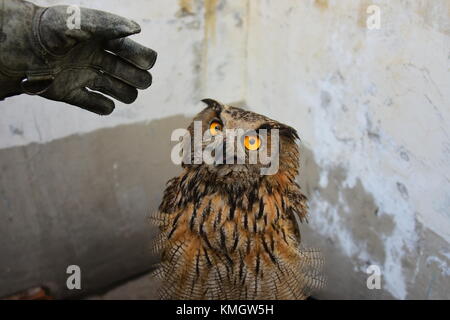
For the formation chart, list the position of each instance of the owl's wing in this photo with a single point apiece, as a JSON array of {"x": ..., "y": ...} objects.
[{"x": 310, "y": 261}]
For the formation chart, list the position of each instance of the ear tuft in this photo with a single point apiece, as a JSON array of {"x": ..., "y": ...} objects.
[
  {"x": 289, "y": 132},
  {"x": 217, "y": 106},
  {"x": 285, "y": 130}
]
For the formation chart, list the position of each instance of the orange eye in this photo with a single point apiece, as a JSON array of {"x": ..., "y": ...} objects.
[
  {"x": 252, "y": 143},
  {"x": 215, "y": 127}
]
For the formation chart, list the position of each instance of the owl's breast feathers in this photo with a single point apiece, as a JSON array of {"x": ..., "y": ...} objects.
[{"x": 234, "y": 242}]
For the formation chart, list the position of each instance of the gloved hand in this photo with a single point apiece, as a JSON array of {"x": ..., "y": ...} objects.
[{"x": 42, "y": 53}]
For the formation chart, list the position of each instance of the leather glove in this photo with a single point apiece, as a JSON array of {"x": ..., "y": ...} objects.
[{"x": 42, "y": 54}]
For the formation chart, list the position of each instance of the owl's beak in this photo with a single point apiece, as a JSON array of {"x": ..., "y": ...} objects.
[{"x": 222, "y": 157}]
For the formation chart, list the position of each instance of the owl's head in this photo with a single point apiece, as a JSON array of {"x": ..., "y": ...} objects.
[{"x": 235, "y": 145}]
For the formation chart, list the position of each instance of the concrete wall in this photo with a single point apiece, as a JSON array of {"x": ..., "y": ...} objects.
[{"x": 372, "y": 108}]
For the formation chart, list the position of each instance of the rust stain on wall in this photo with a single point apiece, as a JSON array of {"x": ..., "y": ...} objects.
[
  {"x": 210, "y": 19},
  {"x": 322, "y": 4},
  {"x": 186, "y": 6},
  {"x": 430, "y": 15},
  {"x": 209, "y": 35},
  {"x": 362, "y": 14}
]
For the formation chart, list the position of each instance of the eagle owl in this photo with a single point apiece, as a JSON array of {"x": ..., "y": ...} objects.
[{"x": 228, "y": 231}]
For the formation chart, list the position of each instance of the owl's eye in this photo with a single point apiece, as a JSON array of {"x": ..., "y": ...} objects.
[
  {"x": 215, "y": 127},
  {"x": 252, "y": 143}
]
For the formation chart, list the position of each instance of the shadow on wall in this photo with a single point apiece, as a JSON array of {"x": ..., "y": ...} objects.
[
  {"x": 367, "y": 227},
  {"x": 83, "y": 200},
  {"x": 363, "y": 220}
]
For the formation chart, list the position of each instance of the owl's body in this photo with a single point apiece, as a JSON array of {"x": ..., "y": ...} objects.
[{"x": 228, "y": 232}]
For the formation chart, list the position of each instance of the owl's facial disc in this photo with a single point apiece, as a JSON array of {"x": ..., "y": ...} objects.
[
  {"x": 239, "y": 143},
  {"x": 235, "y": 152}
]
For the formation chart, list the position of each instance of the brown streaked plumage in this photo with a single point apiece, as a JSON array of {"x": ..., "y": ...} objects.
[{"x": 228, "y": 232}]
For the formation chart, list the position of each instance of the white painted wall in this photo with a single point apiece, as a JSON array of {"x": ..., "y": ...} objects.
[{"x": 373, "y": 102}]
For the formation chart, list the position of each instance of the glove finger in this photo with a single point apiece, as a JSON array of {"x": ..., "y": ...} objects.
[
  {"x": 92, "y": 101},
  {"x": 120, "y": 69},
  {"x": 133, "y": 52},
  {"x": 92, "y": 23},
  {"x": 114, "y": 88},
  {"x": 62, "y": 27},
  {"x": 106, "y": 25}
]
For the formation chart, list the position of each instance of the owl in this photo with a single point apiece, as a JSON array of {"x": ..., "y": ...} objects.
[{"x": 228, "y": 225}]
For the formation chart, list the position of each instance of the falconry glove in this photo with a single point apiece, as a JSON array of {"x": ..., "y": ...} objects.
[{"x": 65, "y": 53}]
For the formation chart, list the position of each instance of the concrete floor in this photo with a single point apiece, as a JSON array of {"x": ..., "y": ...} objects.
[{"x": 140, "y": 288}]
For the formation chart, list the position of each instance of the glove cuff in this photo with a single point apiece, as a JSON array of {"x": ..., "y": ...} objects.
[{"x": 22, "y": 53}]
